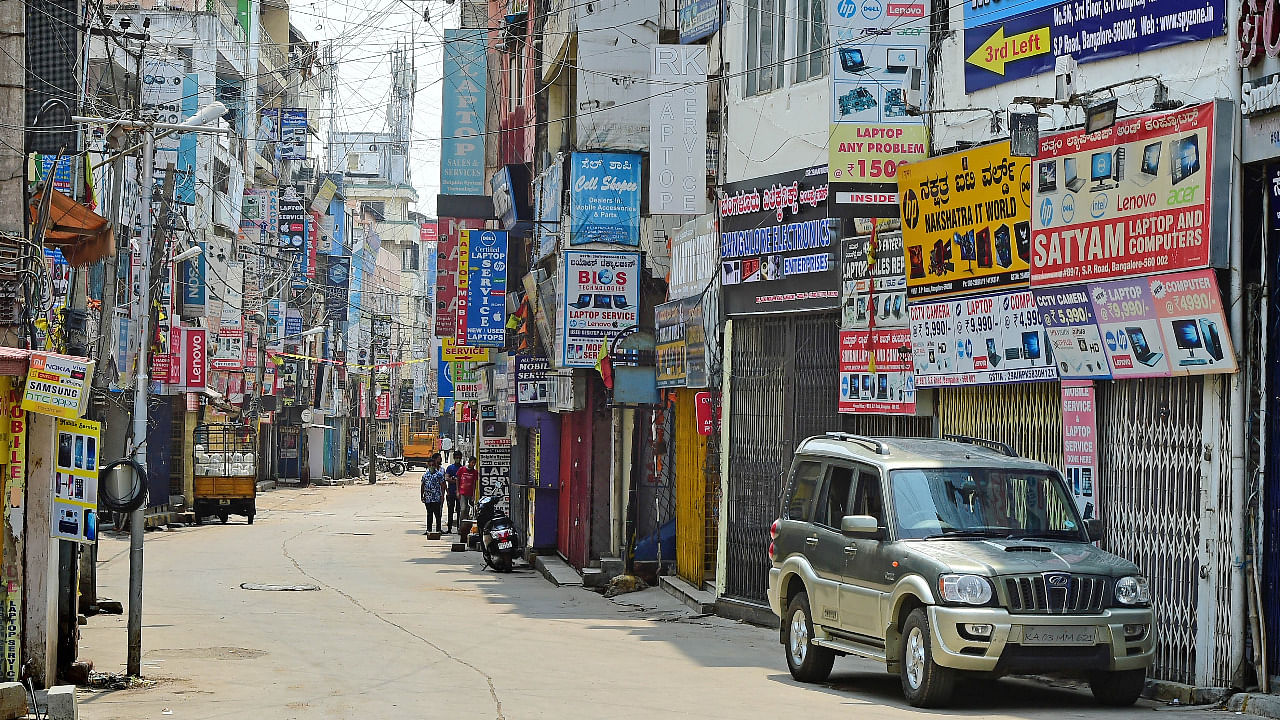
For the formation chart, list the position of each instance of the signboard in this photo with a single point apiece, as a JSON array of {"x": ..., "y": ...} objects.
[
  {"x": 1154, "y": 326},
  {"x": 230, "y": 351},
  {"x": 447, "y": 273},
  {"x": 532, "y": 383},
  {"x": 1010, "y": 39},
  {"x": 1142, "y": 197},
  {"x": 604, "y": 199},
  {"x": 494, "y": 463},
  {"x": 548, "y": 198},
  {"x": 980, "y": 340},
  {"x": 194, "y": 293},
  {"x": 382, "y": 406},
  {"x": 75, "y": 481},
  {"x": 669, "y": 321},
  {"x": 966, "y": 222},
  {"x": 336, "y": 271},
  {"x": 876, "y": 372},
  {"x": 462, "y": 114},
  {"x": 777, "y": 244},
  {"x": 464, "y": 280},
  {"x": 877, "y": 48},
  {"x": 1080, "y": 444},
  {"x": 704, "y": 413},
  {"x": 57, "y": 385},
  {"x": 678, "y": 131},
  {"x": 694, "y": 257},
  {"x": 601, "y": 299},
  {"x": 450, "y": 350},
  {"x": 697, "y": 19},
  {"x": 468, "y": 385},
  {"x": 292, "y": 218},
  {"x": 293, "y": 134},
  {"x": 486, "y": 287},
  {"x": 873, "y": 287}
]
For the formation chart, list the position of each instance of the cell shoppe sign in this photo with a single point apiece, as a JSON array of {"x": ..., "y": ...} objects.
[
  {"x": 1148, "y": 195},
  {"x": 778, "y": 245}
]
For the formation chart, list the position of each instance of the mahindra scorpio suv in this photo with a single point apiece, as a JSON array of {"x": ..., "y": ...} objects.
[{"x": 944, "y": 557}]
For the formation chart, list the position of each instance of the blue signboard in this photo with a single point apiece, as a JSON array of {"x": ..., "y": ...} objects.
[
  {"x": 337, "y": 283},
  {"x": 462, "y": 116},
  {"x": 62, "y": 176},
  {"x": 275, "y": 319},
  {"x": 604, "y": 199},
  {"x": 193, "y": 286},
  {"x": 549, "y": 189},
  {"x": 487, "y": 289},
  {"x": 184, "y": 188},
  {"x": 697, "y": 19},
  {"x": 444, "y": 376},
  {"x": 1023, "y": 44},
  {"x": 292, "y": 324},
  {"x": 293, "y": 134}
]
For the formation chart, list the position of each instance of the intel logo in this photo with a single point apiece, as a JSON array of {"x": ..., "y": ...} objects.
[{"x": 1099, "y": 207}]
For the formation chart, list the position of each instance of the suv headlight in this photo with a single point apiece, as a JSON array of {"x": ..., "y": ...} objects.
[
  {"x": 965, "y": 589},
  {"x": 1132, "y": 590}
]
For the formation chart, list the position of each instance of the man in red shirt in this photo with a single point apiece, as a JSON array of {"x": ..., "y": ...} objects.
[{"x": 467, "y": 478}]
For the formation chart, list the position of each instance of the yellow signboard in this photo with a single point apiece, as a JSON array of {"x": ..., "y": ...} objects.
[
  {"x": 966, "y": 222},
  {"x": 57, "y": 385},
  {"x": 873, "y": 153},
  {"x": 453, "y": 352}
]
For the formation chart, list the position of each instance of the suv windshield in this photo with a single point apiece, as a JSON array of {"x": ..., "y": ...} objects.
[{"x": 982, "y": 502}]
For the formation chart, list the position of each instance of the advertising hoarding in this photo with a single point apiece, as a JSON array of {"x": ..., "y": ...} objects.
[
  {"x": 966, "y": 223},
  {"x": 697, "y": 19},
  {"x": 1080, "y": 444},
  {"x": 678, "y": 131},
  {"x": 980, "y": 340},
  {"x": 75, "y": 481},
  {"x": 601, "y": 299},
  {"x": 486, "y": 287},
  {"x": 604, "y": 199},
  {"x": 462, "y": 115},
  {"x": 876, "y": 372},
  {"x": 293, "y": 134},
  {"x": 454, "y": 352},
  {"x": 873, "y": 282},
  {"x": 532, "y": 382},
  {"x": 694, "y": 258},
  {"x": 57, "y": 385}
]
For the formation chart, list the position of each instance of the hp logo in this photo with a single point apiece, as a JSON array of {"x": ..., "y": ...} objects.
[
  {"x": 1046, "y": 212},
  {"x": 847, "y": 8}
]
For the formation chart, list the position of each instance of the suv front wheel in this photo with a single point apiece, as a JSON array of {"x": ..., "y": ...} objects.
[
  {"x": 807, "y": 662},
  {"x": 1118, "y": 689},
  {"x": 924, "y": 682}
]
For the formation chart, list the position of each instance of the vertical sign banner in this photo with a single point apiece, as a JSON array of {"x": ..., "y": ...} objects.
[
  {"x": 549, "y": 197},
  {"x": 1080, "y": 444},
  {"x": 877, "y": 66},
  {"x": 876, "y": 372},
  {"x": 193, "y": 286},
  {"x": 75, "y": 481},
  {"x": 966, "y": 222},
  {"x": 980, "y": 340},
  {"x": 494, "y": 461},
  {"x": 486, "y": 288},
  {"x": 15, "y": 460},
  {"x": 678, "y": 131},
  {"x": 694, "y": 258},
  {"x": 462, "y": 116},
  {"x": 873, "y": 282},
  {"x": 1138, "y": 198},
  {"x": 450, "y": 229},
  {"x": 671, "y": 358},
  {"x": 604, "y": 199},
  {"x": 337, "y": 285},
  {"x": 464, "y": 281},
  {"x": 601, "y": 299},
  {"x": 293, "y": 134}
]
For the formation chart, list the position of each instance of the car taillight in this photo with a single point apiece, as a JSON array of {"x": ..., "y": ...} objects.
[{"x": 773, "y": 530}]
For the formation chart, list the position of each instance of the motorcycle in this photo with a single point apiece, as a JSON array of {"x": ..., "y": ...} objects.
[
  {"x": 499, "y": 541},
  {"x": 395, "y": 466}
]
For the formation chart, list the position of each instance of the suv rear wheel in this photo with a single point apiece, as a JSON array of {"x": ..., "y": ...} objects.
[
  {"x": 1118, "y": 689},
  {"x": 924, "y": 682},
  {"x": 807, "y": 662}
]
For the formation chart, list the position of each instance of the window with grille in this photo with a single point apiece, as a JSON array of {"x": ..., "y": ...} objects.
[
  {"x": 766, "y": 23},
  {"x": 409, "y": 261},
  {"x": 811, "y": 40}
]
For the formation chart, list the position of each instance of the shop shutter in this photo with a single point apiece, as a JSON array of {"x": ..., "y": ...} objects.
[{"x": 1026, "y": 416}]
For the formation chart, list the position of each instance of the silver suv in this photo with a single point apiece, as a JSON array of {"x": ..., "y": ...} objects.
[{"x": 939, "y": 557}]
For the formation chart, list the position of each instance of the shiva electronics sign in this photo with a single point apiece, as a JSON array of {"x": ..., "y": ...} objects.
[
  {"x": 877, "y": 72},
  {"x": 1144, "y": 196},
  {"x": 1009, "y": 39},
  {"x": 463, "y": 114},
  {"x": 777, "y": 245},
  {"x": 1154, "y": 326},
  {"x": 678, "y": 131},
  {"x": 601, "y": 299},
  {"x": 965, "y": 219},
  {"x": 876, "y": 372},
  {"x": 486, "y": 287},
  {"x": 980, "y": 340},
  {"x": 604, "y": 199}
]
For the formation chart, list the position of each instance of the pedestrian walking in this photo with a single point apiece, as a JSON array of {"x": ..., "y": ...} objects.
[
  {"x": 451, "y": 491},
  {"x": 433, "y": 491},
  {"x": 467, "y": 479}
]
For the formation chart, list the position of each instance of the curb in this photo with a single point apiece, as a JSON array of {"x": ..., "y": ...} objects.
[
  {"x": 265, "y": 485},
  {"x": 1166, "y": 691},
  {"x": 1267, "y": 706}
]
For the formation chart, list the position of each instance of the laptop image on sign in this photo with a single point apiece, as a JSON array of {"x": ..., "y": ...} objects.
[
  {"x": 1141, "y": 350},
  {"x": 1073, "y": 180},
  {"x": 853, "y": 61},
  {"x": 1149, "y": 167},
  {"x": 1184, "y": 155}
]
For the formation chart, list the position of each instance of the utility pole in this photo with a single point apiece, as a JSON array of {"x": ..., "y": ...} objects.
[{"x": 371, "y": 428}]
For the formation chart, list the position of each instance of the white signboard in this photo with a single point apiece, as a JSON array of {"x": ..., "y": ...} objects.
[
  {"x": 695, "y": 258},
  {"x": 980, "y": 340},
  {"x": 678, "y": 131},
  {"x": 601, "y": 299},
  {"x": 614, "y": 41}
]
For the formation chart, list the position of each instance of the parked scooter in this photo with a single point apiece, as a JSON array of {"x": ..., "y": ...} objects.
[{"x": 499, "y": 541}]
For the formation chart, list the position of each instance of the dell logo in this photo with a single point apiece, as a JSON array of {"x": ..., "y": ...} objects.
[{"x": 872, "y": 9}]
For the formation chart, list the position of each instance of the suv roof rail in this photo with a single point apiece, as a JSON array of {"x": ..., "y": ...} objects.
[
  {"x": 879, "y": 447},
  {"x": 994, "y": 445}
]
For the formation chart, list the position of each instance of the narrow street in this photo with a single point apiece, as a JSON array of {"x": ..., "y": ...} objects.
[{"x": 400, "y": 627}]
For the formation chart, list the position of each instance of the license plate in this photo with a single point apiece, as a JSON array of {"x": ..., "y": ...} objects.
[
  {"x": 504, "y": 545},
  {"x": 224, "y": 502},
  {"x": 1059, "y": 635}
]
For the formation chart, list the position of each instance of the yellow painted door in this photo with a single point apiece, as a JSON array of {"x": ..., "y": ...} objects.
[{"x": 691, "y": 482}]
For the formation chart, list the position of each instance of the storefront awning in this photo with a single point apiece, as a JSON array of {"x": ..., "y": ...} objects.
[{"x": 83, "y": 235}]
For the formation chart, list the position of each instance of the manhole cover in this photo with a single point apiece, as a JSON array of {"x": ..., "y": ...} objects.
[{"x": 278, "y": 588}]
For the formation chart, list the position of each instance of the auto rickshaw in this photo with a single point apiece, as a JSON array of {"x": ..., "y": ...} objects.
[{"x": 226, "y": 471}]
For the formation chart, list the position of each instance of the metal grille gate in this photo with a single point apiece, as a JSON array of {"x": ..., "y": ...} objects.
[
  {"x": 1149, "y": 440},
  {"x": 1027, "y": 417}
]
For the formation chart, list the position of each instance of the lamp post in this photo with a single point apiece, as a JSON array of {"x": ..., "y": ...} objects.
[{"x": 142, "y": 314}]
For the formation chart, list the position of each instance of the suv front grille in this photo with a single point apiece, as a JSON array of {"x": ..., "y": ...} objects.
[{"x": 1056, "y": 593}]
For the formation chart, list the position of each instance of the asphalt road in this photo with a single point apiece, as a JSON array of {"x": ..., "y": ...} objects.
[{"x": 400, "y": 627}]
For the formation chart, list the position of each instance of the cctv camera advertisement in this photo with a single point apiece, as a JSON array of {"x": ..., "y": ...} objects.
[
  {"x": 1134, "y": 199},
  {"x": 601, "y": 299},
  {"x": 980, "y": 340},
  {"x": 965, "y": 222},
  {"x": 1140, "y": 327}
]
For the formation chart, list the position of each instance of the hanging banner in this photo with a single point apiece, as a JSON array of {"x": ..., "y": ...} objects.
[
  {"x": 447, "y": 307},
  {"x": 604, "y": 199},
  {"x": 981, "y": 340},
  {"x": 532, "y": 381},
  {"x": 57, "y": 385},
  {"x": 877, "y": 66},
  {"x": 1156, "y": 326},
  {"x": 777, "y": 244},
  {"x": 293, "y": 134},
  {"x": 548, "y": 199},
  {"x": 336, "y": 274},
  {"x": 468, "y": 384},
  {"x": 444, "y": 378},
  {"x": 464, "y": 281},
  {"x": 462, "y": 117},
  {"x": 966, "y": 222},
  {"x": 876, "y": 372},
  {"x": 486, "y": 287},
  {"x": 678, "y": 131},
  {"x": 75, "y": 481},
  {"x": 601, "y": 299},
  {"x": 1080, "y": 444},
  {"x": 453, "y": 352},
  {"x": 1141, "y": 197}
]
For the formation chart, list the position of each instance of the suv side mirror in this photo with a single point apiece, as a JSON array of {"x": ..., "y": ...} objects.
[
  {"x": 860, "y": 526},
  {"x": 1093, "y": 527}
]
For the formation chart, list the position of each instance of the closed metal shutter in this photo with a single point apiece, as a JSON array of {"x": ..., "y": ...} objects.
[{"x": 1027, "y": 417}]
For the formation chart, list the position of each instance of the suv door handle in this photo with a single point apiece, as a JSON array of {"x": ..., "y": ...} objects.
[
  {"x": 811, "y": 540},
  {"x": 850, "y": 549}
]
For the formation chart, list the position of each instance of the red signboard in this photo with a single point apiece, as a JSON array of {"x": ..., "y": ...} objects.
[
  {"x": 876, "y": 372},
  {"x": 1134, "y": 199},
  {"x": 195, "y": 355},
  {"x": 448, "y": 231},
  {"x": 704, "y": 413},
  {"x": 384, "y": 405},
  {"x": 464, "y": 270}
]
